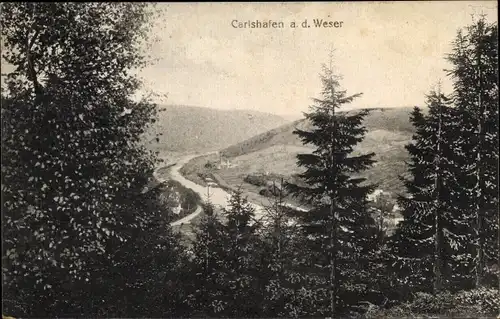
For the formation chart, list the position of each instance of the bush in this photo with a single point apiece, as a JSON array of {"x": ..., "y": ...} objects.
[
  {"x": 210, "y": 165},
  {"x": 273, "y": 189},
  {"x": 265, "y": 192},
  {"x": 430, "y": 304},
  {"x": 189, "y": 199},
  {"x": 257, "y": 180},
  {"x": 470, "y": 303},
  {"x": 483, "y": 301}
]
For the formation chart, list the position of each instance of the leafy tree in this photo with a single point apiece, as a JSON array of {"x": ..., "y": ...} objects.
[
  {"x": 341, "y": 233},
  {"x": 474, "y": 71},
  {"x": 76, "y": 226}
]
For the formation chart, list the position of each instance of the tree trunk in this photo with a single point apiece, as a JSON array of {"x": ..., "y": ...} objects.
[
  {"x": 333, "y": 224},
  {"x": 30, "y": 63},
  {"x": 438, "y": 227},
  {"x": 480, "y": 262},
  {"x": 333, "y": 265}
]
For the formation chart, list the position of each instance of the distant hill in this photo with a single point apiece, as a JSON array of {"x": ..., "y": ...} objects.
[
  {"x": 394, "y": 120},
  {"x": 389, "y": 130},
  {"x": 198, "y": 129}
]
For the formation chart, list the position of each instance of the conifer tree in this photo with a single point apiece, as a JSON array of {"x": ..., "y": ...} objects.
[
  {"x": 413, "y": 267},
  {"x": 241, "y": 258},
  {"x": 435, "y": 224},
  {"x": 226, "y": 262},
  {"x": 474, "y": 71},
  {"x": 208, "y": 265},
  {"x": 280, "y": 251},
  {"x": 341, "y": 233}
]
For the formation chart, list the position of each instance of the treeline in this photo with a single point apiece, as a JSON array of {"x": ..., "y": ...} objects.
[
  {"x": 174, "y": 193},
  {"x": 82, "y": 239},
  {"x": 334, "y": 260}
]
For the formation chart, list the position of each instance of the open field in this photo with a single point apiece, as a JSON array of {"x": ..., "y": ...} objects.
[{"x": 275, "y": 151}]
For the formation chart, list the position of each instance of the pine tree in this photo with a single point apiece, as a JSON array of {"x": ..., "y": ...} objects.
[
  {"x": 475, "y": 73},
  {"x": 280, "y": 250},
  {"x": 226, "y": 262},
  {"x": 208, "y": 265},
  {"x": 242, "y": 262},
  {"x": 435, "y": 224},
  {"x": 341, "y": 233},
  {"x": 73, "y": 167},
  {"x": 414, "y": 267}
]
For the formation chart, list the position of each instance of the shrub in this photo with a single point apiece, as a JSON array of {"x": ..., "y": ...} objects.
[
  {"x": 189, "y": 198},
  {"x": 483, "y": 301},
  {"x": 430, "y": 304},
  {"x": 210, "y": 165},
  {"x": 265, "y": 192},
  {"x": 257, "y": 180},
  {"x": 470, "y": 303}
]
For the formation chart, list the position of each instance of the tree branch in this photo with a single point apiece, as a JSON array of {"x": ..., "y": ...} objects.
[{"x": 31, "y": 72}]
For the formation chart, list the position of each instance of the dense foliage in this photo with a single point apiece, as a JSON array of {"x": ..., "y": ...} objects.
[
  {"x": 85, "y": 236},
  {"x": 449, "y": 239},
  {"x": 340, "y": 232},
  {"x": 73, "y": 168},
  {"x": 474, "y": 72}
]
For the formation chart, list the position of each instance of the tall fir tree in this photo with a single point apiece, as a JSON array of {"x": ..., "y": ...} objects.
[
  {"x": 226, "y": 262},
  {"x": 435, "y": 224},
  {"x": 207, "y": 265},
  {"x": 242, "y": 259},
  {"x": 474, "y": 71},
  {"x": 280, "y": 252},
  {"x": 341, "y": 234}
]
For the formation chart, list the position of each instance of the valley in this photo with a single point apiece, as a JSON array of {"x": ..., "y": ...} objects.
[
  {"x": 256, "y": 165},
  {"x": 272, "y": 156}
]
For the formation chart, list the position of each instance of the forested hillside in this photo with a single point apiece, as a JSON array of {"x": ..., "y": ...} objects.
[
  {"x": 85, "y": 234},
  {"x": 192, "y": 129}
]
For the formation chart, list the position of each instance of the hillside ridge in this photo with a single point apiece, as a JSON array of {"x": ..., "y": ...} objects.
[
  {"x": 200, "y": 129},
  {"x": 390, "y": 120}
]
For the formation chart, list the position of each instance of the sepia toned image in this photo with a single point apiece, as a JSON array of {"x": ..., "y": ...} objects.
[{"x": 250, "y": 160}]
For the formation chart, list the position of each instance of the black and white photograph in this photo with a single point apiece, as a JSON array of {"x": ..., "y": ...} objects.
[{"x": 250, "y": 159}]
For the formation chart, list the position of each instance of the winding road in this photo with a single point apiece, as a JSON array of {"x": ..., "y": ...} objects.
[{"x": 218, "y": 196}]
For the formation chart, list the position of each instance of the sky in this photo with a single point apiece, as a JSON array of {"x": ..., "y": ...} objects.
[{"x": 392, "y": 52}]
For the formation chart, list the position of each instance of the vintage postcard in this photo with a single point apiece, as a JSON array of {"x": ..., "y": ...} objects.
[{"x": 250, "y": 160}]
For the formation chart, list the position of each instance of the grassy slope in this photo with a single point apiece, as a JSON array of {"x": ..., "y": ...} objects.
[
  {"x": 394, "y": 120},
  {"x": 275, "y": 151}
]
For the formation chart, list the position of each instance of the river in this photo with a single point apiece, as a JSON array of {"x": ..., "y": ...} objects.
[{"x": 218, "y": 196}]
